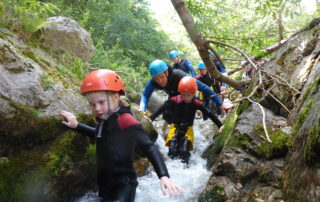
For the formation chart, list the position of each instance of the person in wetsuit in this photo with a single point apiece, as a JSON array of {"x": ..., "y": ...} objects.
[
  {"x": 183, "y": 109},
  {"x": 166, "y": 78},
  {"x": 205, "y": 78},
  {"x": 182, "y": 64},
  {"x": 116, "y": 136}
]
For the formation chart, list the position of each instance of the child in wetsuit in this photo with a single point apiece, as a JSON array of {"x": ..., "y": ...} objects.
[
  {"x": 183, "y": 109},
  {"x": 116, "y": 135}
]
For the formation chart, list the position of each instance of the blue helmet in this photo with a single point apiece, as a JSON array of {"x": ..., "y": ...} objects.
[
  {"x": 157, "y": 67},
  {"x": 173, "y": 54},
  {"x": 201, "y": 65}
]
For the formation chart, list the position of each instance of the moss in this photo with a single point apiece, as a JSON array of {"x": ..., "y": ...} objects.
[
  {"x": 312, "y": 148},
  {"x": 27, "y": 129},
  {"x": 303, "y": 115},
  {"x": 220, "y": 141},
  {"x": 17, "y": 172},
  {"x": 216, "y": 194},
  {"x": 243, "y": 106},
  {"x": 281, "y": 142},
  {"x": 241, "y": 141},
  {"x": 312, "y": 89}
]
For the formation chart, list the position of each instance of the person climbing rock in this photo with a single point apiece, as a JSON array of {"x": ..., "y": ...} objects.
[
  {"x": 248, "y": 70},
  {"x": 183, "y": 108},
  {"x": 182, "y": 64},
  {"x": 205, "y": 78},
  {"x": 166, "y": 78},
  {"x": 221, "y": 69},
  {"x": 116, "y": 136}
]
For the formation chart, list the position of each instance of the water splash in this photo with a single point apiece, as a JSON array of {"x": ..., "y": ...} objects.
[{"x": 192, "y": 180}]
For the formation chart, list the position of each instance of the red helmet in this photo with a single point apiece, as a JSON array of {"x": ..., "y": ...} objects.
[
  {"x": 102, "y": 79},
  {"x": 187, "y": 85}
]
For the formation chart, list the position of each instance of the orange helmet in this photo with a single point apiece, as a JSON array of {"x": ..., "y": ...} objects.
[
  {"x": 187, "y": 85},
  {"x": 102, "y": 79}
]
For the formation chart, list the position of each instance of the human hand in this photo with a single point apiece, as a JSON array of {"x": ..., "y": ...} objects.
[
  {"x": 166, "y": 183},
  {"x": 223, "y": 89},
  {"x": 221, "y": 129},
  {"x": 141, "y": 111},
  {"x": 223, "y": 109},
  {"x": 70, "y": 120}
]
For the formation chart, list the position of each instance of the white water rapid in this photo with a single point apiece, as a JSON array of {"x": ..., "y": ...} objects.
[{"x": 192, "y": 180}]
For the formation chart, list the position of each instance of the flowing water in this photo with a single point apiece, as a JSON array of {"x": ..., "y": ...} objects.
[{"x": 192, "y": 180}]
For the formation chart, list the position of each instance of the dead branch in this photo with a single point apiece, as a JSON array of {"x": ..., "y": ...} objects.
[
  {"x": 277, "y": 100},
  {"x": 263, "y": 119},
  {"x": 280, "y": 80},
  {"x": 234, "y": 71},
  {"x": 276, "y": 46}
]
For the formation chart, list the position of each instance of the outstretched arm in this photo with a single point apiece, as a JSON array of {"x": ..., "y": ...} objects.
[
  {"x": 156, "y": 160},
  {"x": 208, "y": 92},
  {"x": 146, "y": 95},
  {"x": 70, "y": 120},
  {"x": 189, "y": 66},
  {"x": 206, "y": 112},
  {"x": 159, "y": 111}
]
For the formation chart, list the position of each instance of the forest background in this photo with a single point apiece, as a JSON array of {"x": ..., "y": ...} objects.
[{"x": 127, "y": 35}]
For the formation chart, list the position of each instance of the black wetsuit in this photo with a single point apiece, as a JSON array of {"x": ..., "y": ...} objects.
[
  {"x": 184, "y": 113},
  {"x": 116, "y": 139},
  {"x": 181, "y": 116},
  {"x": 206, "y": 79},
  {"x": 174, "y": 77},
  {"x": 212, "y": 83}
]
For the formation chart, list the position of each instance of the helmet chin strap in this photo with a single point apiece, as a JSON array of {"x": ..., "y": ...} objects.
[{"x": 110, "y": 111}]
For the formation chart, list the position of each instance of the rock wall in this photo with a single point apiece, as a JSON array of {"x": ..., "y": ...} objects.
[
  {"x": 248, "y": 168},
  {"x": 40, "y": 159}
]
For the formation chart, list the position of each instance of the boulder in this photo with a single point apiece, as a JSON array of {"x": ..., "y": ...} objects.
[{"x": 66, "y": 35}]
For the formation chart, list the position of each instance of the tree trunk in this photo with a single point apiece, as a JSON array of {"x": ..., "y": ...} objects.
[
  {"x": 202, "y": 44},
  {"x": 280, "y": 24}
]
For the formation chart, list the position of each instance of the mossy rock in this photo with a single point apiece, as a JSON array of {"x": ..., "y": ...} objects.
[
  {"x": 312, "y": 148},
  {"x": 216, "y": 194},
  {"x": 214, "y": 149},
  {"x": 278, "y": 148}
]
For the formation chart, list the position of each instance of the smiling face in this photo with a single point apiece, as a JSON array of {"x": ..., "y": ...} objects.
[
  {"x": 162, "y": 79},
  {"x": 175, "y": 60},
  {"x": 187, "y": 97},
  {"x": 102, "y": 102}
]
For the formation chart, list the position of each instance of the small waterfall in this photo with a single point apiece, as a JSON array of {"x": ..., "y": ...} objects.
[{"x": 192, "y": 180}]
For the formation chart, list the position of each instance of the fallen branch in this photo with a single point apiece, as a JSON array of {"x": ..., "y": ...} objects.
[
  {"x": 276, "y": 46},
  {"x": 263, "y": 119}
]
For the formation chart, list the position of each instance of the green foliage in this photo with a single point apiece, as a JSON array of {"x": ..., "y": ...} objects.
[
  {"x": 124, "y": 34},
  {"x": 281, "y": 142},
  {"x": 248, "y": 25},
  {"x": 26, "y": 15},
  {"x": 73, "y": 68}
]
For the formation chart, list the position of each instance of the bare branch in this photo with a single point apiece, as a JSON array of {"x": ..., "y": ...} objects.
[
  {"x": 276, "y": 46},
  {"x": 277, "y": 100},
  {"x": 234, "y": 71},
  {"x": 263, "y": 119},
  {"x": 282, "y": 81}
]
